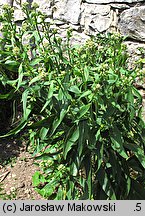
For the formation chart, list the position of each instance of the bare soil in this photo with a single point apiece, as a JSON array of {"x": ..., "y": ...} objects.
[{"x": 16, "y": 175}]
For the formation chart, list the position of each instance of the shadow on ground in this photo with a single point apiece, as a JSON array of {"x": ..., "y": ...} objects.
[{"x": 9, "y": 149}]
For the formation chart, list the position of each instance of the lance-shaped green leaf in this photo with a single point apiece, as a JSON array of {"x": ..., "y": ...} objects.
[
  {"x": 47, "y": 122},
  {"x": 24, "y": 100},
  {"x": 11, "y": 62},
  {"x": 83, "y": 133},
  {"x": 50, "y": 94},
  {"x": 85, "y": 94},
  {"x": 73, "y": 137},
  {"x": 83, "y": 110},
  {"x": 34, "y": 80},
  {"x": 43, "y": 133},
  {"x": 106, "y": 184},
  {"x": 20, "y": 78},
  {"x": 89, "y": 183},
  {"x": 137, "y": 94},
  {"x": 86, "y": 73},
  {"x": 16, "y": 130},
  {"x": 35, "y": 61},
  {"x": 99, "y": 152},
  {"x": 58, "y": 121},
  {"x": 117, "y": 142},
  {"x": 75, "y": 89},
  {"x": 130, "y": 96}
]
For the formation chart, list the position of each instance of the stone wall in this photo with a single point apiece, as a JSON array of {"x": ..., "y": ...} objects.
[{"x": 88, "y": 17}]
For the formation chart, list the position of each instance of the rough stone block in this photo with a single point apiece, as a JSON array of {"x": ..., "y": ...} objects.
[
  {"x": 67, "y": 10},
  {"x": 95, "y": 18},
  {"x": 111, "y": 1},
  {"x": 132, "y": 23}
]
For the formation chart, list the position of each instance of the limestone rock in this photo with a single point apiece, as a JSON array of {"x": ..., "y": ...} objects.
[
  {"x": 93, "y": 9},
  {"x": 95, "y": 18},
  {"x": 120, "y": 6},
  {"x": 134, "y": 53},
  {"x": 111, "y": 1},
  {"x": 67, "y": 10},
  {"x": 44, "y": 3},
  {"x": 78, "y": 38},
  {"x": 15, "y": 3},
  {"x": 45, "y": 6},
  {"x": 132, "y": 23},
  {"x": 100, "y": 23},
  {"x": 18, "y": 15},
  {"x": 2, "y": 2}
]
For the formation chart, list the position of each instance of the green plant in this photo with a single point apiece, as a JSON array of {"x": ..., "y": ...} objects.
[
  {"x": 81, "y": 109},
  {"x": 4, "y": 196}
]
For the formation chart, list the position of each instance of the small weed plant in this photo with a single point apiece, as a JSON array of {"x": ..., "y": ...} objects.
[
  {"x": 4, "y": 196},
  {"x": 79, "y": 107}
]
